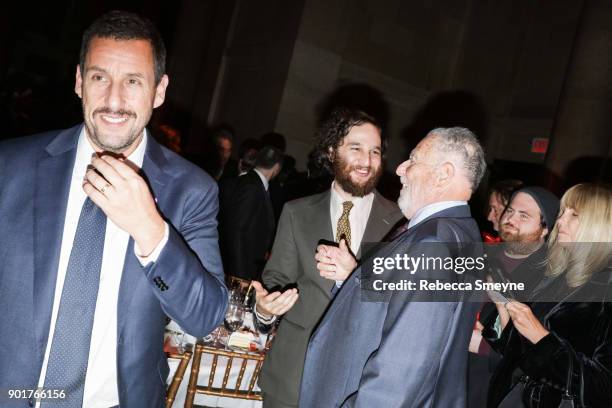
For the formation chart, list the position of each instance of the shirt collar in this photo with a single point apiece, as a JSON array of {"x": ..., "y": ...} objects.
[
  {"x": 85, "y": 150},
  {"x": 337, "y": 200},
  {"x": 263, "y": 178},
  {"x": 431, "y": 209}
]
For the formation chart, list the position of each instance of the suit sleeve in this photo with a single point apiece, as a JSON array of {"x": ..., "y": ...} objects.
[
  {"x": 239, "y": 218},
  {"x": 394, "y": 376},
  {"x": 283, "y": 266},
  {"x": 187, "y": 277}
]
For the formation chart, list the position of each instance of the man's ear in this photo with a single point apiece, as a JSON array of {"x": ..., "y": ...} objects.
[
  {"x": 445, "y": 173},
  {"x": 544, "y": 233},
  {"x": 160, "y": 91},
  {"x": 331, "y": 154},
  {"x": 78, "y": 82}
]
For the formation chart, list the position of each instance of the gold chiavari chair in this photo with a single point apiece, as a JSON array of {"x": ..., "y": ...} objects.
[
  {"x": 226, "y": 390},
  {"x": 178, "y": 375}
]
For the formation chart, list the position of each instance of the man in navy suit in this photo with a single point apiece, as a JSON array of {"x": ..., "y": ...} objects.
[
  {"x": 160, "y": 249},
  {"x": 403, "y": 352}
]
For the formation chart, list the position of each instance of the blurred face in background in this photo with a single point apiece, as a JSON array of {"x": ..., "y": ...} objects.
[
  {"x": 224, "y": 145},
  {"x": 496, "y": 208},
  {"x": 357, "y": 162}
]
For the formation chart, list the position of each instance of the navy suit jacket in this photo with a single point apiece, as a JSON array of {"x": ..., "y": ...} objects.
[
  {"x": 398, "y": 353},
  {"x": 35, "y": 176}
]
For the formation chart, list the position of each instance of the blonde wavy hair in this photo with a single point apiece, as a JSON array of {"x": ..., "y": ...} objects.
[{"x": 593, "y": 248}]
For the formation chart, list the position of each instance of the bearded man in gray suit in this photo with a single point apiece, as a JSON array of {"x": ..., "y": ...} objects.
[
  {"x": 351, "y": 212},
  {"x": 409, "y": 350}
]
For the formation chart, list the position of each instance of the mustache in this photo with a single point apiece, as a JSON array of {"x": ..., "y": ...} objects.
[{"x": 109, "y": 111}]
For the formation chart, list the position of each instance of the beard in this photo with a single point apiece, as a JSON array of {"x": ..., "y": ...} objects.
[
  {"x": 412, "y": 198},
  {"x": 112, "y": 143},
  {"x": 520, "y": 244},
  {"x": 342, "y": 175}
]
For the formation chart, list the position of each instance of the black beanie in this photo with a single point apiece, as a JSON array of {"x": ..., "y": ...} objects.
[{"x": 547, "y": 201}]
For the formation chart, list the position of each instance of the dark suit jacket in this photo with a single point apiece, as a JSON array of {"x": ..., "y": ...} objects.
[
  {"x": 34, "y": 185},
  {"x": 302, "y": 224},
  {"x": 398, "y": 353},
  {"x": 246, "y": 226}
]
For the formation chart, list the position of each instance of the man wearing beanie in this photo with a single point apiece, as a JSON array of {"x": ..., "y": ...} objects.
[{"x": 523, "y": 227}]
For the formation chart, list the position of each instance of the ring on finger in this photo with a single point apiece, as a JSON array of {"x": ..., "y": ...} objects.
[{"x": 104, "y": 187}]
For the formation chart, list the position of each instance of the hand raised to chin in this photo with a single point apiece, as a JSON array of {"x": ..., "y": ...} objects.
[{"x": 126, "y": 200}]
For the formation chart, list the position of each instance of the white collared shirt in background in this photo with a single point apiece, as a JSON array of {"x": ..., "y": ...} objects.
[
  {"x": 431, "y": 209},
  {"x": 263, "y": 178}
]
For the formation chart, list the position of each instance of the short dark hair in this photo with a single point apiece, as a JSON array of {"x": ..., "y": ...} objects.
[
  {"x": 268, "y": 156},
  {"x": 332, "y": 132},
  {"x": 123, "y": 25},
  {"x": 505, "y": 188}
]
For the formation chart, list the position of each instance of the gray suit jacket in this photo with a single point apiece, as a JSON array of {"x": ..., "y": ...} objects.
[
  {"x": 302, "y": 224},
  {"x": 398, "y": 353}
]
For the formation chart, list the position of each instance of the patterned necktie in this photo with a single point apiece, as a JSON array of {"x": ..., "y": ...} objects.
[
  {"x": 343, "y": 230},
  {"x": 69, "y": 353}
]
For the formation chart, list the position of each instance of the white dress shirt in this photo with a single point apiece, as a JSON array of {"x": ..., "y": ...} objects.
[
  {"x": 263, "y": 178},
  {"x": 431, "y": 209},
  {"x": 101, "y": 390}
]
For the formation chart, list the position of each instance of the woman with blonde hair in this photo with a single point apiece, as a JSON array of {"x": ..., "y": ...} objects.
[{"x": 557, "y": 349}]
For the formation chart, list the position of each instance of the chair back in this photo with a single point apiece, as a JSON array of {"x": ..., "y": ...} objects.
[{"x": 243, "y": 387}]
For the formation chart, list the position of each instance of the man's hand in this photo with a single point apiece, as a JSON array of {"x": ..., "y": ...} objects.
[
  {"x": 525, "y": 322},
  {"x": 275, "y": 303},
  {"x": 126, "y": 200},
  {"x": 335, "y": 263}
]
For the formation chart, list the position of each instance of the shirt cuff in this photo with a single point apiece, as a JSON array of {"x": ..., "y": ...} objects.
[
  {"x": 152, "y": 257},
  {"x": 262, "y": 319},
  {"x": 339, "y": 284}
]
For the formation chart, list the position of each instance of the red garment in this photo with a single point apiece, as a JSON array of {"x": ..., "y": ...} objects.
[{"x": 488, "y": 238}]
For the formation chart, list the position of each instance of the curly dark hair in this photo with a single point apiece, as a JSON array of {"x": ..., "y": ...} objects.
[
  {"x": 123, "y": 25},
  {"x": 332, "y": 132}
]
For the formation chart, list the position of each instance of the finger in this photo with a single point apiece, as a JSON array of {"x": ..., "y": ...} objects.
[
  {"x": 328, "y": 267},
  {"x": 97, "y": 181},
  {"x": 259, "y": 289},
  {"x": 272, "y": 297},
  {"x": 97, "y": 197},
  {"x": 106, "y": 170},
  {"x": 322, "y": 258},
  {"x": 343, "y": 246},
  {"x": 120, "y": 167}
]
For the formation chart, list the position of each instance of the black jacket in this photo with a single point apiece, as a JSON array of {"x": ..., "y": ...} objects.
[
  {"x": 580, "y": 324},
  {"x": 246, "y": 226}
]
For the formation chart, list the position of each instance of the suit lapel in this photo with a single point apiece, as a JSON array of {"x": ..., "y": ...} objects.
[
  {"x": 52, "y": 187},
  {"x": 317, "y": 226},
  {"x": 153, "y": 172},
  {"x": 380, "y": 224}
]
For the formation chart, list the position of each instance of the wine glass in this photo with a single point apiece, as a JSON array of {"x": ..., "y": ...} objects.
[
  {"x": 234, "y": 317},
  {"x": 214, "y": 338}
]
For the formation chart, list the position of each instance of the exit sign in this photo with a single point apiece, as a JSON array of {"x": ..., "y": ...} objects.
[{"x": 539, "y": 145}]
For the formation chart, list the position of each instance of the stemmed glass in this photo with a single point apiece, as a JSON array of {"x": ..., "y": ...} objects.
[{"x": 234, "y": 317}]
